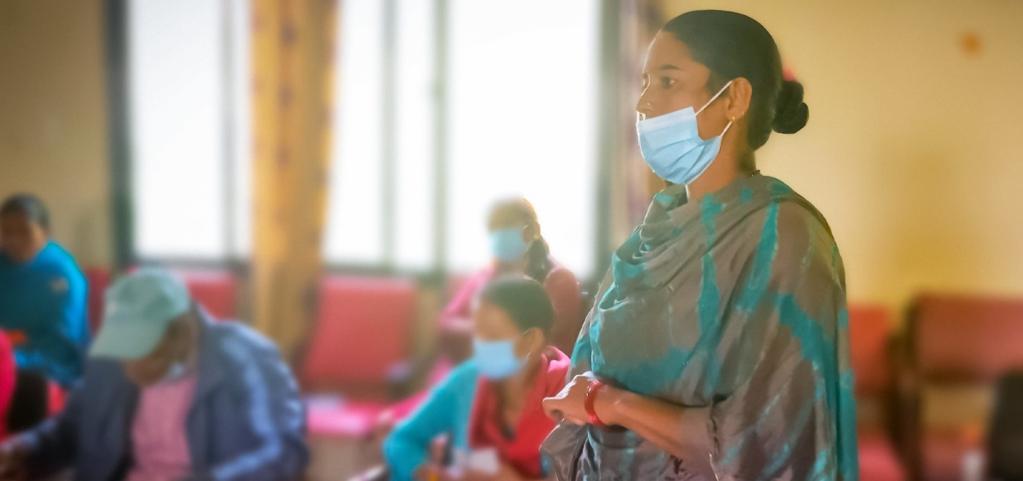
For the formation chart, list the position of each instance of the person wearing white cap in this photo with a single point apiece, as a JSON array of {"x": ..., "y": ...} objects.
[{"x": 170, "y": 395}]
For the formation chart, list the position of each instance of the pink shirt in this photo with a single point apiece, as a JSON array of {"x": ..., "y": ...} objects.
[{"x": 159, "y": 440}]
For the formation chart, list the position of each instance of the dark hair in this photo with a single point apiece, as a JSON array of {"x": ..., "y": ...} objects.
[
  {"x": 524, "y": 299},
  {"x": 733, "y": 45},
  {"x": 538, "y": 257},
  {"x": 29, "y": 206}
]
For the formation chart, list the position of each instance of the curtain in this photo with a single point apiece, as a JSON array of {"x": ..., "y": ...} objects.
[
  {"x": 632, "y": 183},
  {"x": 293, "y": 44}
]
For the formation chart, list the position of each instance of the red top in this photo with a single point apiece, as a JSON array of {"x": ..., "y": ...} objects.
[
  {"x": 561, "y": 286},
  {"x": 522, "y": 449},
  {"x": 7, "y": 377}
]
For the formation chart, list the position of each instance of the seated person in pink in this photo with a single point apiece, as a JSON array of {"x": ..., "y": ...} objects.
[
  {"x": 517, "y": 247},
  {"x": 169, "y": 395}
]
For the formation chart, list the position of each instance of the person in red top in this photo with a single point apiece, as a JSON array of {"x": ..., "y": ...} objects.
[
  {"x": 490, "y": 407},
  {"x": 518, "y": 247}
]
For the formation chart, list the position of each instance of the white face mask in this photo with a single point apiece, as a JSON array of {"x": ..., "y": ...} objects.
[
  {"x": 672, "y": 147},
  {"x": 175, "y": 371}
]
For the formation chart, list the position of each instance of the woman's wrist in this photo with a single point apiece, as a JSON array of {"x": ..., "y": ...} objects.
[{"x": 607, "y": 404}]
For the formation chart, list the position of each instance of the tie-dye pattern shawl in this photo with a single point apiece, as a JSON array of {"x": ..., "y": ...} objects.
[{"x": 733, "y": 306}]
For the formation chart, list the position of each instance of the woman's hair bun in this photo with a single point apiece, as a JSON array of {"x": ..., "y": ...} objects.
[{"x": 791, "y": 113}]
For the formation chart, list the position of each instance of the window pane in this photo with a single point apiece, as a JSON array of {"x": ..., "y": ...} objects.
[
  {"x": 241, "y": 121},
  {"x": 177, "y": 127},
  {"x": 414, "y": 167},
  {"x": 354, "y": 210},
  {"x": 523, "y": 112}
]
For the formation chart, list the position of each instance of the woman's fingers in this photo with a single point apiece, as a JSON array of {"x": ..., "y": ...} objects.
[
  {"x": 552, "y": 407},
  {"x": 558, "y": 409}
]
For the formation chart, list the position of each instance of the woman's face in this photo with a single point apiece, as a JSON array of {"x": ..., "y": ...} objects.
[
  {"x": 510, "y": 236},
  {"x": 504, "y": 220},
  {"x": 491, "y": 323},
  {"x": 20, "y": 238},
  {"x": 672, "y": 81}
]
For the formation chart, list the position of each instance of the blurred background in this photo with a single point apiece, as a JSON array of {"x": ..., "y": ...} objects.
[{"x": 324, "y": 170}]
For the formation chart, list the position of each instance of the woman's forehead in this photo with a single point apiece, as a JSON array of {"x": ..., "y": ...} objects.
[
  {"x": 668, "y": 54},
  {"x": 494, "y": 316},
  {"x": 667, "y": 51},
  {"x": 507, "y": 218}
]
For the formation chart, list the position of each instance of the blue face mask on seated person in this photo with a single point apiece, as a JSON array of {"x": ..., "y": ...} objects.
[
  {"x": 495, "y": 360},
  {"x": 507, "y": 245}
]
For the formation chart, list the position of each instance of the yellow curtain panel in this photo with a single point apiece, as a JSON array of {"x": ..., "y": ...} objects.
[{"x": 293, "y": 45}]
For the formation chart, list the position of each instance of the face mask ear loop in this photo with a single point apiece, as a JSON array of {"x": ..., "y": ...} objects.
[
  {"x": 723, "y": 132},
  {"x": 715, "y": 97}
]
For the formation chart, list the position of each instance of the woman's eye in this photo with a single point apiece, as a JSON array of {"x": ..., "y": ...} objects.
[{"x": 667, "y": 82}]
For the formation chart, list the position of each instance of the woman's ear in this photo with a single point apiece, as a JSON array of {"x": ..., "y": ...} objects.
[
  {"x": 739, "y": 96},
  {"x": 533, "y": 340},
  {"x": 531, "y": 232}
]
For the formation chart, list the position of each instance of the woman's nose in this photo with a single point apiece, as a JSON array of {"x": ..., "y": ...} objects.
[
  {"x": 643, "y": 104},
  {"x": 643, "y": 107}
]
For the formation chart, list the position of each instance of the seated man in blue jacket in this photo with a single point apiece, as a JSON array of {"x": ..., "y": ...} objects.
[{"x": 168, "y": 395}]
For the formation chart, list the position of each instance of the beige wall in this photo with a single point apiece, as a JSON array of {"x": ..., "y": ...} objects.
[
  {"x": 913, "y": 147},
  {"x": 52, "y": 117}
]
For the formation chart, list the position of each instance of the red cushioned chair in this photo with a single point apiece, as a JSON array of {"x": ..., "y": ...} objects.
[
  {"x": 362, "y": 333},
  {"x": 958, "y": 347},
  {"x": 870, "y": 332},
  {"x": 360, "y": 346},
  {"x": 216, "y": 291}
]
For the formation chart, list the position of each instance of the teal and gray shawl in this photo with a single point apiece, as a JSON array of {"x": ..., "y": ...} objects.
[{"x": 733, "y": 306}]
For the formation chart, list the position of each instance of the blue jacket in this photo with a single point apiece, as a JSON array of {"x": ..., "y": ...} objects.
[
  {"x": 247, "y": 421},
  {"x": 46, "y": 299}
]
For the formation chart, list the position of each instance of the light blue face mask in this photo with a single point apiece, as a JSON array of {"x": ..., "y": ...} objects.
[
  {"x": 495, "y": 359},
  {"x": 507, "y": 245},
  {"x": 672, "y": 147}
]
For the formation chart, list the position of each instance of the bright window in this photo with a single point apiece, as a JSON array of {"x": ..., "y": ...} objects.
[
  {"x": 523, "y": 119},
  {"x": 519, "y": 118},
  {"x": 187, "y": 68}
]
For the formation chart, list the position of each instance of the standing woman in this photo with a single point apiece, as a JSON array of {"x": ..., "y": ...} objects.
[{"x": 717, "y": 349}]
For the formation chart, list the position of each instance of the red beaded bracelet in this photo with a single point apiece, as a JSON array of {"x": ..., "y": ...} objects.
[{"x": 591, "y": 396}]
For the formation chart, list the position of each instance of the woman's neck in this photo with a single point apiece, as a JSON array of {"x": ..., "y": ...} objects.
[
  {"x": 514, "y": 388},
  {"x": 518, "y": 266},
  {"x": 728, "y": 167}
]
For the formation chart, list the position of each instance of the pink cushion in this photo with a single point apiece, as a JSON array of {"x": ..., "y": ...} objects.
[
  {"x": 878, "y": 459},
  {"x": 870, "y": 328},
  {"x": 362, "y": 332},
  {"x": 970, "y": 338},
  {"x": 216, "y": 291},
  {"x": 343, "y": 419}
]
